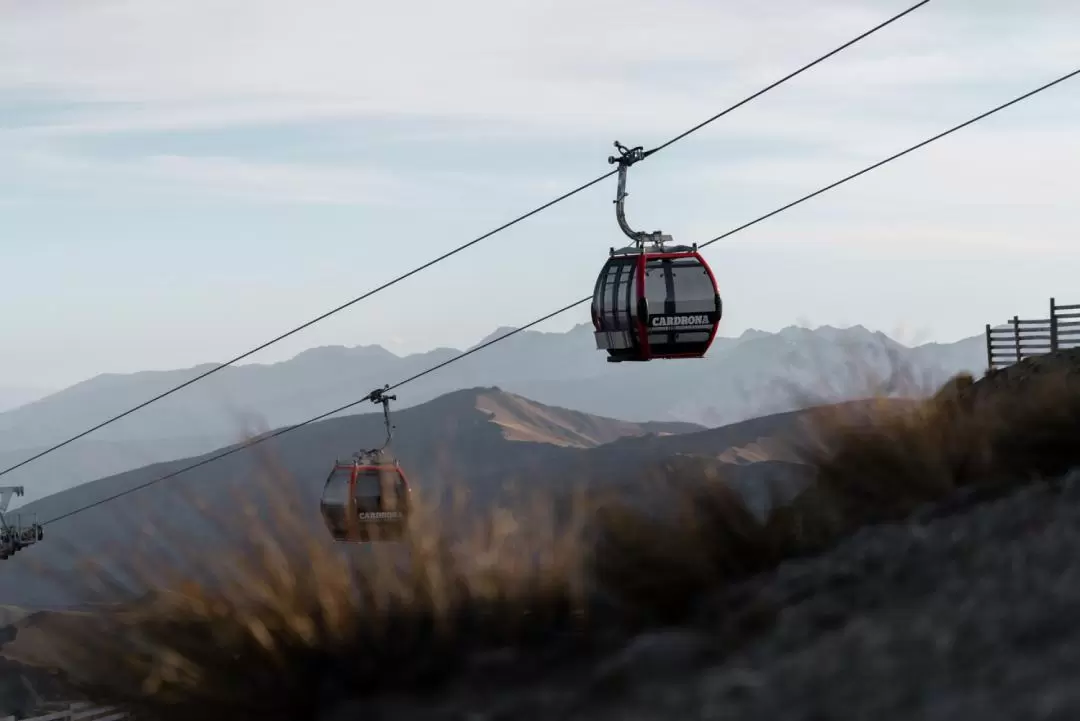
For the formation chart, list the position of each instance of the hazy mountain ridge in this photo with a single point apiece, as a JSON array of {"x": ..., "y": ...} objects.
[
  {"x": 88, "y": 459},
  {"x": 755, "y": 374},
  {"x": 470, "y": 439},
  {"x": 12, "y": 397}
]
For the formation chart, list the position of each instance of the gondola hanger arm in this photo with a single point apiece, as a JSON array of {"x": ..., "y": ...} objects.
[
  {"x": 626, "y": 158},
  {"x": 6, "y": 492},
  {"x": 380, "y": 396}
]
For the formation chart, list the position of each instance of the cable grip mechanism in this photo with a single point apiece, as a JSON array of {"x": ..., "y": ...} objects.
[
  {"x": 626, "y": 158},
  {"x": 381, "y": 397}
]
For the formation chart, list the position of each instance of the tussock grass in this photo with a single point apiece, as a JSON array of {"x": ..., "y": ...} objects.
[
  {"x": 285, "y": 622},
  {"x": 906, "y": 446},
  {"x": 986, "y": 436},
  {"x": 279, "y": 621},
  {"x": 659, "y": 565}
]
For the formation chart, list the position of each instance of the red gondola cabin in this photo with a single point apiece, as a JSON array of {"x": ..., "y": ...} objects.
[
  {"x": 652, "y": 305},
  {"x": 365, "y": 501}
]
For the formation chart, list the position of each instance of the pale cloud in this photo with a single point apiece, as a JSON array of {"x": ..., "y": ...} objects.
[
  {"x": 175, "y": 176},
  {"x": 978, "y": 164},
  {"x": 565, "y": 65},
  {"x": 378, "y": 55},
  {"x": 49, "y": 169},
  {"x": 504, "y": 70},
  {"x": 574, "y": 76},
  {"x": 265, "y": 181},
  {"x": 1001, "y": 186}
]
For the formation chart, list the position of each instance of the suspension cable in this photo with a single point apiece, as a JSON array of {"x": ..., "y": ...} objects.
[
  {"x": 498, "y": 339},
  {"x": 459, "y": 248}
]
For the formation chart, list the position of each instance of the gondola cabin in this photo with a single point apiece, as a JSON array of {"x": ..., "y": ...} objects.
[
  {"x": 14, "y": 534},
  {"x": 366, "y": 501},
  {"x": 653, "y": 305}
]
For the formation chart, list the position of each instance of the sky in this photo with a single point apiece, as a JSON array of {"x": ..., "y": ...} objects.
[{"x": 179, "y": 182}]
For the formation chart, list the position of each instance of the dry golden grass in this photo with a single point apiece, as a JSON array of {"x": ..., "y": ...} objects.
[
  {"x": 279, "y": 618},
  {"x": 988, "y": 435},
  {"x": 659, "y": 566},
  {"x": 285, "y": 619},
  {"x": 873, "y": 461}
]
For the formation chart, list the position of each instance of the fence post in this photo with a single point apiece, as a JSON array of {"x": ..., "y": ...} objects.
[
  {"x": 1053, "y": 326},
  {"x": 1016, "y": 337}
]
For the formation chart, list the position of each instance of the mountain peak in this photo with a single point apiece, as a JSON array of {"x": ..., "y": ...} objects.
[
  {"x": 498, "y": 332},
  {"x": 562, "y": 368},
  {"x": 751, "y": 333},
  {"x": 333, "y": 352},
  {"x": 830, "y": 332}
]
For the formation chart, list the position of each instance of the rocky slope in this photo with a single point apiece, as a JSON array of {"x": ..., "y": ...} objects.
[{"x": 965, "y": 616}]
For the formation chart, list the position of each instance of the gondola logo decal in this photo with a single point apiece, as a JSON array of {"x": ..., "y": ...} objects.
[
  {"x": 679, "y": 321},
  {"x": 379, "y": 515}
]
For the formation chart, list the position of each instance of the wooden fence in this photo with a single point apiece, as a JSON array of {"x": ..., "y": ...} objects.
[
  {"x": 79, "y": 712},
  {"x": 1022, "y": 339}
]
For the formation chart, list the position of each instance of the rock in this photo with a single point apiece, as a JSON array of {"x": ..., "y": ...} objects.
[{"x": 651, "y": 655}]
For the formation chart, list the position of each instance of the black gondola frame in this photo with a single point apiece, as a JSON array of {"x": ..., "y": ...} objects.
[{"x": 641, "y": 258}]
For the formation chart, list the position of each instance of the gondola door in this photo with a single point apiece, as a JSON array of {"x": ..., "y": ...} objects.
[{"x": 681, "y": 308}]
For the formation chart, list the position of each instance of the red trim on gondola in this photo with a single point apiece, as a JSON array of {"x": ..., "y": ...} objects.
[
  {"x": 355, "y": 470},
  {"x": 716, "y": 289},
  {"x": 644, "y": 347},
  {"x": 643, "y": 330},
  {"x": 638, "y": 327},
  {"x": 675, "y": 255}
]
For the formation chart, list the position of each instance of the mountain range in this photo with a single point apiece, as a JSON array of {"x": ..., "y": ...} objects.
[
  {"x": 482, "y": 440},
  {"x": 15, "y": 396},
  {"x": 755, "y": 374}
]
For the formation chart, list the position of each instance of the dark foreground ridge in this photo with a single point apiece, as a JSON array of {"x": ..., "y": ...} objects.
[
  {"x": 967, "y": 616},
  {"x": 927, "y": 572}
]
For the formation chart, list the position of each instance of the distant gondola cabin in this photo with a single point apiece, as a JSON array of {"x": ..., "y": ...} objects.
[{"x": 364, "y": 502}]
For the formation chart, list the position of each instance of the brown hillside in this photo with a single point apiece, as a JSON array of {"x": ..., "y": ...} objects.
[
  {"x": 474, "y": 439},
  {"x": 522, "y": 419}
]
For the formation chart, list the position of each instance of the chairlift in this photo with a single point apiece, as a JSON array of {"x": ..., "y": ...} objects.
[
  {"x": 652, "y": 301},
  {"x": 368, "y": 498}
]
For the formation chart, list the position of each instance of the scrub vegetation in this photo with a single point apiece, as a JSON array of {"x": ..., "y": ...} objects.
[{"x": 289, "y": 626}]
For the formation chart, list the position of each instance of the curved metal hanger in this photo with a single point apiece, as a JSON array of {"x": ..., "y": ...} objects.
[
  {"x": 6, "y": 493},
  {"x": 380, "y": 396},
  {"x": 626, "y": 158}
]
